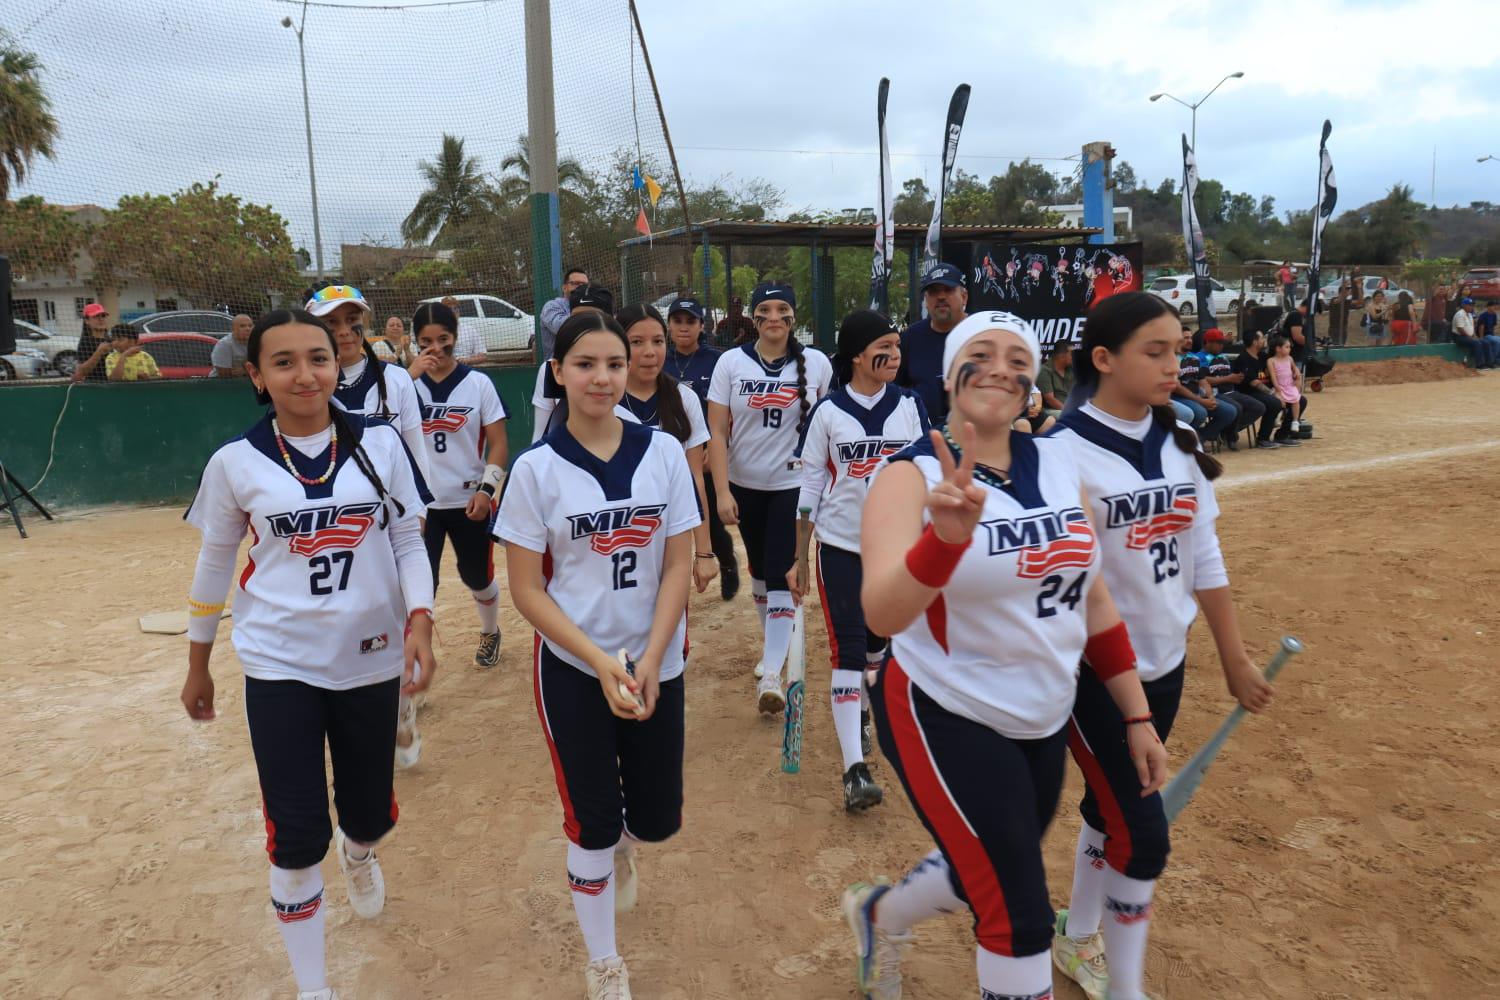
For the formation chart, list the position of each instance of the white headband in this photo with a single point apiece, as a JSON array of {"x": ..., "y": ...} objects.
[{"x": 983, "y": 322}]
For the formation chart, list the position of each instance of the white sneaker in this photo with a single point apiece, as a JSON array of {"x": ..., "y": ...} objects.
[
  {"x": 878, "y": 953},
  {"x": 408, "y": 739},
  {"x": 362, "y": 879},
  {"x": 1081, "y": 959},
  {"x": 760, "y": 671},
  {"x": 1296, "y": 426},
  {"x": 769, "y": 697},
  {"x": 607, "y": 979},
  {"x": 626, "y": 881},
  {"x": 324, "y": 994}
]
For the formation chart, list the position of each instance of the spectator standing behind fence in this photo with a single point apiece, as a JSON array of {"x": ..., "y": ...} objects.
[
  {"x": 1404, "y": 320},
  {"x": 946, "y": 299},
  {"x": 1377, "y": 315},
  {"x": 228, "y": 357},
  {"x": 93, "y": 345},
  {"x": 1250, "y": 365},
  {"x": 470, "y": 348},
  {"x": 1286, "y": 382},
  {"x": 397, "y": 339},
  {"x": 1288, "y": 278},
  {"x": 1055, "y": 380},
  {"x": 737, "y": 328},
  {"x": 126, "y": 361},
  {"x": 1435, "y": 314},
  {"x": 556, "y": 311}
]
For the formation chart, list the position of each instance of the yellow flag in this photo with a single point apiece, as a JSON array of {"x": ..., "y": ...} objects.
[{"x": 653, "y": 189}]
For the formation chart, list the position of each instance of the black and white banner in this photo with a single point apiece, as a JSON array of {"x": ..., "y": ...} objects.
[
  {"x": 885, "y": 220},
  {"x": 1328, "y": 198},
  {"x": 1052, "y": 286},
  {"x": 1192, "y": 236},
  {"x": 932, "y": 252}
]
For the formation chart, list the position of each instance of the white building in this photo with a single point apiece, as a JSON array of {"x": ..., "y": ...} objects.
[{"x": 1072, "y": 217}]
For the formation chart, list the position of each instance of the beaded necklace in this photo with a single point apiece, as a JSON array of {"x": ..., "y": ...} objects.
[
  {"x": 998, "y": 478},
  {"x": 286, "y": 456}
]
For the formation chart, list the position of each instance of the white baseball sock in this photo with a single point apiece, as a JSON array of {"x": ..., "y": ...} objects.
[
  {"x": 487, "y": 601},
  {"x": 1087, "y": 903},
  {"x": 780, "y": 616},
  {"x": 846, "y": 687},
  {"x": 1004, "y": 978},
  {"x": 927, "y": 891},
  {"x": 297, "y": 895},
  {"x": 758, "y": 595},
  {"x": 1127, "y": 922},
  {"x": 591, "y": 877}
]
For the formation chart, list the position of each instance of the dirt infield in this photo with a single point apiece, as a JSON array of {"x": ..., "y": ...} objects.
[
  {"x": 1397, "y": 371},
  {"x": 1342, "y": 848}
]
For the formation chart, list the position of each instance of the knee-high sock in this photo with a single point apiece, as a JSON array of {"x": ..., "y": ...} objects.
[
  {"x": 1087, "y": 902},
  {"x": 873, "y": 659},
  {"x": 781, "y": 614},
  {"x": 846, "y": 689},
  {"x": 1004, "y": 978},
  {"x": 1127, "y": 922},
  {"x": 488, "y": 603},
  {"x": 927, "y": 891},
  {"x": 297, "y": 895},
  {"x": 758, "y": 595},
  {"x": 591, "y": 877}
]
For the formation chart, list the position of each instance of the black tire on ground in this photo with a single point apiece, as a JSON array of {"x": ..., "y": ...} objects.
[{"x": 7, "y": 373}]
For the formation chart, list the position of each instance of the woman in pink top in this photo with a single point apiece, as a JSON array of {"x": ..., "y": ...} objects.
[{"x": 1286, "y": 381}]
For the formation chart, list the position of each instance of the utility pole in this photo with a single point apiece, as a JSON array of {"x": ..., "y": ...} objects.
[
  {"x": 312, "y": 174},
  {"x": 541, "y": 133}
]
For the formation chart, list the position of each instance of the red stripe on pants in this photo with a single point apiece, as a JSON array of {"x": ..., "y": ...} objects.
[
  {"x": 570, "y": 821},
  {"x": 833, "y": 639},
  {"x": 966, "y": 852},
  {"x": 1117, "y": 843}
]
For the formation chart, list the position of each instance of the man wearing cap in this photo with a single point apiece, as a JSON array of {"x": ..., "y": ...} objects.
[
  {"x": 691, "y": 362},
  {"x": 945, "y": 299},
  {"x": 555, "y": 312},
  {"x": 93, "y": 346},
  {"x": 229, "y": 353},
  {"x": 1480, "y": 351},
  {"x": 587, "y": 296}
]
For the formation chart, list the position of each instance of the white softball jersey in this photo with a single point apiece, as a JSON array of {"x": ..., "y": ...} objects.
[
  {"x": 846, "y": 438},
  {"x": 544, "y": 408},
  {"x": 455, "y": 412},
  {"x": 358, "y": 392},
  {"x": 1156, "y": 516},
  {"x": 1001, "y": 642},
  {"x": 603, "y": 527},
  {"x": 648, "y": 412},
  {"x": 764, "y": 410}
]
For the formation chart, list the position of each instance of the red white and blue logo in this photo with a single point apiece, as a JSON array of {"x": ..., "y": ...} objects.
[
  {"x": 1152, "y": 514},
  {"x": 864, "y": 457},
  {"x": 618, "y": 527},
  {"x": 765, "y": 394},
  {"x": 314, "y": 529},
  {"x": 440, "y": 417},
  {"x": 1046, "y": 543}
]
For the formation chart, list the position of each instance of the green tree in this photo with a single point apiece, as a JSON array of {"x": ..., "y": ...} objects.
[
  {"x": 36, "y": 236},
  {"x": 515, "y": 187},
  {"x": 456, "y": 192},
  {"x": 207, "y": 246},
  {"x": 27, "y": 128}
]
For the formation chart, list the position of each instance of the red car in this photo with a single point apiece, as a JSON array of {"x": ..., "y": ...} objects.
[
  {"x": 181, "y": 355},
  {"x": 1480, "y": 284}
]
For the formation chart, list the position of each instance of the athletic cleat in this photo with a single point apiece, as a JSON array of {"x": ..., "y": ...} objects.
[
  {"x": 626, "y": 881},
  {"x": 769, "y": 696},
  {"x": 408, "y": 740},
  {"x": 860, "y": 792},
  {"x": 488, "y": 653},
  {"x": 759, "y": 671},
  {"x": 607, "y": 979},
  {"x": 877, "y": 953},
  {"x": 866, "y": 734},
  {"x": 1081, "y": 960},
  {"x": 324, "y": 994},
  {"x": 363, "y": 880}
]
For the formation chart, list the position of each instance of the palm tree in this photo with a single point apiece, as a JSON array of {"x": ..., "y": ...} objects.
[
  {"x": 456, "y": 191},
  {"x": 572, "y": 178},
  {"x": 27, "y": 127}
]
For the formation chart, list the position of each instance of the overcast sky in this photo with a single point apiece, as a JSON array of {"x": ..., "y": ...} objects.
[{"x": 155, "y": 94}]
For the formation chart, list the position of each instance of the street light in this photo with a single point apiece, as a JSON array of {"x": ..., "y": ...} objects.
[
  {"x": 312, "y": 176},
  {"x": 1483, "y": 158},
  {"x": 1194, "y": 106}
]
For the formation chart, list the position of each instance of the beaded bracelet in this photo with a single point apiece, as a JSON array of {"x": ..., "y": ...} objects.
[{"x": 1137, "y": 720}]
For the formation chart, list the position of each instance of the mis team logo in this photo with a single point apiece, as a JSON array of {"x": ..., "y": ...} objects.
[
  {"x": 317, "y": 528},
  {"x": 618, "y": 527},
  {"x": 767, "y": 394},
  {"x": 440, "y": 417},
  {"x": 1152, "y": 514},
  {"x": 863, "y": 457},
  {"x": 1046, "y": 543}
]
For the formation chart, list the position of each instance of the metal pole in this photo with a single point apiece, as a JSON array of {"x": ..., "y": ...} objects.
[
  {"x": 1195, "y": 128},
  {"x": 541, "y": 133},
  {"x": 312, "y": 173}
]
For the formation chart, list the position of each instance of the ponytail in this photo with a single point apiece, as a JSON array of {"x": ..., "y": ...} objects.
[
  {"x": 346, "y": 438},
  {"x": 669, "y": 409},
  {"x": 378, "y": 368},
  {"x": 798, "y": 352},
  {"x": 1186, "y": 439}
]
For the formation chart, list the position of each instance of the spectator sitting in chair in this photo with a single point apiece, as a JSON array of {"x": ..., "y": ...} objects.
[
  {"x": 1463, "y": 333},
  {"x": 1212, "y": 416},
  {"x": 1056, "y": 378},
  {"x": 1036, "y": 419},
  {"x": 126, "y": 361},
  {"x": 1250, "y": 365},
  {"x": 1286, "y": 382},
  {"x": 1225, "y": 383},
  {"x": 1484, "y": 329}
]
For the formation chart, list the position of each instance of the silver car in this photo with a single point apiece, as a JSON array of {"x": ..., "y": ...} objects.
[{"x": 60, "y": 351}]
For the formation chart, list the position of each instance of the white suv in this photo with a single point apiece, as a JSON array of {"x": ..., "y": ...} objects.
[
  {"x": 1178, "y": 292},
  {"x": 502, "y": 326}
]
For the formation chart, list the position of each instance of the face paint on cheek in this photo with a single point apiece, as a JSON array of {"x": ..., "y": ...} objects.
[
  {"x": 1025, "y": 384},
  {"x": 880, "y": 361},
  {"x": 448, "y": 350},
  {"x": 966, "y": 373}
]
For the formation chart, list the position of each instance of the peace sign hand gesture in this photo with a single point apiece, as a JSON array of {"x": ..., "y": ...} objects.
[{"x": 956, "y": 503}]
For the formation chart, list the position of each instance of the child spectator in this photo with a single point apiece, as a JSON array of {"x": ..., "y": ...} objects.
[
  {"x": 1377, "y": 314},
  {"x": 126, "y": 361},
  {"x": 1286, "y": 382}
]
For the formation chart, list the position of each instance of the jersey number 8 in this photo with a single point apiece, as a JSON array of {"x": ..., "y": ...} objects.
[{"x": 439, "y": 442}]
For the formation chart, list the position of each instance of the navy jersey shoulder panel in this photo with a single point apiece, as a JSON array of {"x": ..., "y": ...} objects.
[
  {"x": 1143, "y": 456},
  {"x": 614, "y": 476}
]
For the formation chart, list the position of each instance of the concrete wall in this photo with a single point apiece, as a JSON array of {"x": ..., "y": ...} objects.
[{"x": 147, "y": 442}]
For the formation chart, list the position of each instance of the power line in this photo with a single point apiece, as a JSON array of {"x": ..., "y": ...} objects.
[
  {"x": 391, "y": 6},
  {"x": 873, "y": 152}
]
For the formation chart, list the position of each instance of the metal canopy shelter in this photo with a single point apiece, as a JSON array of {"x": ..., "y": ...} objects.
[{"x": 821, "y": 237}]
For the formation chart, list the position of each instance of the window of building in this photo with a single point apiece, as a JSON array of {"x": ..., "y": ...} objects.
[{"x": 78, "y": 304}]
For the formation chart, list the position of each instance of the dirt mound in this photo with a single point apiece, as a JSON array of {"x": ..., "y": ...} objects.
[{"x": 1396, "y": 371}]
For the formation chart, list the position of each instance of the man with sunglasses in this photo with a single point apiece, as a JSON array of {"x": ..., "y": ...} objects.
[{"x": 556, "y": 312}]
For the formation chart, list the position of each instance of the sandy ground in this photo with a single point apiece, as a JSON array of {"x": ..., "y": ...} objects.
[{"x": 1342, "y": 848}]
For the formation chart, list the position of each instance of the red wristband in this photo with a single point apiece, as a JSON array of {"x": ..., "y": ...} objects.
[
  {"x": 414, "y": 612},
  {"x": 1109, "y": 654},
  {"x": 932, "y": 561}
]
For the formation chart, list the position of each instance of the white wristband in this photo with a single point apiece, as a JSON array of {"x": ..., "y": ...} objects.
[{"x": 491, "y": 481}]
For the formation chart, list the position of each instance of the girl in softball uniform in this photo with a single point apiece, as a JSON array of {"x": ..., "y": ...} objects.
[
  {"x": 332, "y": 620},
  {"x": 849, "y": 433},
  {"x": 759, "y": 400},
  {"x": 982, "y": 566},
  {"x": 463, "y": 429},
  {"x": 597, "y": 520},
  {"x": 1150, "y": 492}
]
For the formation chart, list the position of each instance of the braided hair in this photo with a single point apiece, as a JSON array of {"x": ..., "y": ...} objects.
[
  {"x": 342, "y": 430},
  {"x": 798, "y": 354},
  {"x": 669, "y": 409},
  {"x": 1110, "y": 325}
]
